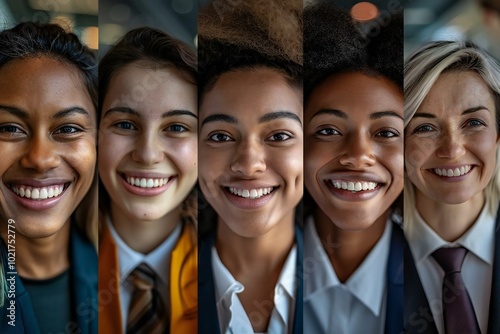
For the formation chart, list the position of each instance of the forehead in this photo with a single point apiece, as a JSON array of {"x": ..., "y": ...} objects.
[
  {"x": 251, "y": 93},
  {"x": 354, "y": 91},
  {"x": 42, "y": 83},
  {"x": 150, "y": 90},
  {"x": 457, "y": 90}
]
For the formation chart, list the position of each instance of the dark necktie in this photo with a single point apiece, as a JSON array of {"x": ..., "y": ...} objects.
[
  {"x": 146, "y": 312},
  {"x": 458, "y": 312}
]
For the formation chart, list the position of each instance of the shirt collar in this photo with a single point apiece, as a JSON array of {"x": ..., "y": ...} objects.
[
  {"x": 479, "y": 239},
  {"x": 158, "y": 259},
  {"x": 367, "y": 283}
]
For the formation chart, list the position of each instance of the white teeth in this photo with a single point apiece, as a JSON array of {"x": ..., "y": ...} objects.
[
  {"x": 38, "y": 193},
  {"x": 250, "y": 193},
  {"x": 452, "y": 172},
  {"x": 146, "y": 182},
  {"x": 354, "y": 186}
]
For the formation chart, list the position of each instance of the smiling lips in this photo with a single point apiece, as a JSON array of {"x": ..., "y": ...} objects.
[
  {"x": 452, "y": 172},
  {"x": 146, "y": 182},
  {"x": 250, "y": 193},
  {"x": 39, "y": 194},
  {"x": 354, "y": 186}
]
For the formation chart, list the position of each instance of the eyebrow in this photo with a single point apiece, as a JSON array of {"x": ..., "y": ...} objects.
[
  {"x": 15, "y": 111},
  {"x": 220, "y": 118},
  {"x": 60, "y": 114},
  {"x": 70, "y": 111},
  {"x": 333, "y": 112},
  {"x": 380, "y": 114},
  {"x": 123, "y": 110},
  {"x": 172, "y": 113},
  {"x": 465, "y": 112},
  {"x": 278, "y": 115}
]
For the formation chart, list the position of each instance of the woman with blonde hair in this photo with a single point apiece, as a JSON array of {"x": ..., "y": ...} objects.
[{"x": 452, "y": 106}]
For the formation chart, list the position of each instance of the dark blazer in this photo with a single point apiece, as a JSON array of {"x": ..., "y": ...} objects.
[
  {"x": 395, "y": 283},
  {"x": 208, "y": 319},
  {"x": 418, "y": 317},
  {"x": 83, "y": 276}
]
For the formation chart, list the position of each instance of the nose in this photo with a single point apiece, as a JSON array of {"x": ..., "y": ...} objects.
[
  {"x": 358, "y": 152},
  {"x": 249, "y": 159},
  {"x": 41, "y": 155},
  {"x": 148, "y": 150},
  {"x": 450, "y": 145}
]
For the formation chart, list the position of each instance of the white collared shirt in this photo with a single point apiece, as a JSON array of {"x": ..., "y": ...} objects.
[
  {"x": 477, "y": 268},
  {"x": 232, "y": 316},
  {"x": 356, "y": 306},
  {"x": 158, "y": 260}
]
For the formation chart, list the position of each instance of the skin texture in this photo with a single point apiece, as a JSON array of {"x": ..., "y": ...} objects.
[
  {"x": 148, "y": 129},
  {"x": 454, "y": 126},
  {"x": 255, "y": 142},
  {"x": 41, "y": 143},
  {"x": 353, "y": 132}
]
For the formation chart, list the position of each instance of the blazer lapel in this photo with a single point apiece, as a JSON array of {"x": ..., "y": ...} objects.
[
  {"x": 395, "y": 283},
  {"x": 207, "y": 308},
  {"x": 298, "y": 321},
  {"x": 418, "y": 317},
  {"x": 493, "y": 318},
  {"x": 84, "y": 270},
  {"x": 109, "y": 285}
]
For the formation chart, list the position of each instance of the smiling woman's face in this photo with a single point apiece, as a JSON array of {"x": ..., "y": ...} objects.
[
  {"x": 451, "y": 141},
  {"x": 47, "y": 142},
  {"x": 148, "y": 142},
  {"x": 354, "y": 148},
  {"x": 251, "y": 150}
]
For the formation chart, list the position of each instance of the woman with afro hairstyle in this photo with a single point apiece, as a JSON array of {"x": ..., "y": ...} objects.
[
  {"x": 353, "y": 130},
  {"x": 250, "y": 144}
]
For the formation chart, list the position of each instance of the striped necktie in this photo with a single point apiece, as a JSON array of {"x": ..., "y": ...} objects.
[{"x": 146, "y": 312}]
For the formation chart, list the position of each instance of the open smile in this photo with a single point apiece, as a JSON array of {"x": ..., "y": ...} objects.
[
  {"x": 37, "y": 195},
  {"x": 143, "y": 185},
  {"x": 453, "y": 172}
]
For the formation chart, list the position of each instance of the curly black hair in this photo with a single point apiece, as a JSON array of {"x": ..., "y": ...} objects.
[{"x": 334, "y": 43}]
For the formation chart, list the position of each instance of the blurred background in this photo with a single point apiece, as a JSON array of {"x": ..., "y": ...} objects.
[
  {"x": 178, "y": 18},
  {"x": 101, "y": 23},
  {"x": 425, "y": 20},
  {"x": 77, "y": 16}
]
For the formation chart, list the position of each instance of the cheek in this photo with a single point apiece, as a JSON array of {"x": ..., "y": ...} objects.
[
  {"x": 112, "y": 149},
  {"x": 184, "y": 154},
  {"x": 83, "y": 158},
  {"x": 416, "y": 153},
  {"x": 393, "y": 158}
]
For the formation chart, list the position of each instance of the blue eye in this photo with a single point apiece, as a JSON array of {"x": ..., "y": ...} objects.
[
  {"x": 328, "y": 132},
  {"x": 423, "y": 129},
  {"x": 125, "y": 126},
  {"x": 177, "y": 128},
  {"x": 281, "y": 136},
  {"x": 475, "y": 123},
  {"x": 219, "y": 137}
]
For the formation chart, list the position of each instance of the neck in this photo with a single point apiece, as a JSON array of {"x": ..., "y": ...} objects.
[
  {"x": 449, "y": 221},
  {"x": 43, "y": 258},
  {"x": 264, "y": 253},
  {"x": 143, "y": 236},
  {"x": 347, "y": 249}
]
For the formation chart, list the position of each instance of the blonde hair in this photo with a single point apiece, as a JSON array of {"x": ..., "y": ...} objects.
[{"x": 422, "y": 69}]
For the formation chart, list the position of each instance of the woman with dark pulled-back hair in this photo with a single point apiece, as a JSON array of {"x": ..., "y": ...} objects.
[
  {"x": 148, "y": 168},
  {"x": 353, "y": 173},
  {"x": 48, "y": 209}
]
